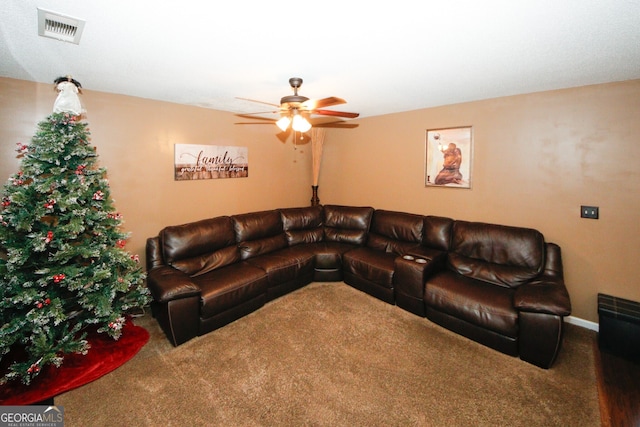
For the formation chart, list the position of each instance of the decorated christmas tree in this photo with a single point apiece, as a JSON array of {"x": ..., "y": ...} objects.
[{"x": 63, "y": 267}]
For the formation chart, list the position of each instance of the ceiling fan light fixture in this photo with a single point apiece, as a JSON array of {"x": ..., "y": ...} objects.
[
  {"x": 283, "y": 123},
  {"x": 295, "y": 111},
  {"x": 300, "y": 124}
]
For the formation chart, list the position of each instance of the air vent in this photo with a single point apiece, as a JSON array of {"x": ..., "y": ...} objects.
[{"x": 60, "y": 27}]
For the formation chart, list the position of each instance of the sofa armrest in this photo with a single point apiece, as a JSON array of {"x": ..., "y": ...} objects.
[
  {"x": 167, "y": 283},
  {"x": 546, "y": 295}
]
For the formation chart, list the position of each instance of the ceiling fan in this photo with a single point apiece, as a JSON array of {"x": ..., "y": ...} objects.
[{"x": 296, "y": 110}]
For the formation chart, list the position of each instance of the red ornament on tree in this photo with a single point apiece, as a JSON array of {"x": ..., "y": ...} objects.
[{"x": 22, "y": 148}]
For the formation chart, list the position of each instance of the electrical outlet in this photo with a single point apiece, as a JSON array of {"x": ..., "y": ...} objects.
[{"x": 589, "y": 212}]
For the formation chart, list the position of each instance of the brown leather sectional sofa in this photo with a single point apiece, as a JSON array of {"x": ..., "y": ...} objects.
[{"x": 498, "y": 285}]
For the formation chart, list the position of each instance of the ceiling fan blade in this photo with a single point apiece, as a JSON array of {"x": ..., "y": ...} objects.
[
  {"x": 329, "y": 122},
  {"x": 254, "y": 123},
  {"x": 337, "y": 125},
  {"x": 283, "y": 136},
  {"x": 336, "y": 113},
  {"x": 312, "y": 104},
  {"x": 251, "y": 117},
  {"x": 259, "y": 102},
  {"x": 324, "y": 120}
]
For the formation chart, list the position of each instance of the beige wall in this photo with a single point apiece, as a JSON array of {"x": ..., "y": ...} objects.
[{"x": 537, "y": 158}]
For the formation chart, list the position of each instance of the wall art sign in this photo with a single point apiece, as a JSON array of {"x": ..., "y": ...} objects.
[
  {"x": 449, "y": 153},
  {"x": 193, "y": 162}
]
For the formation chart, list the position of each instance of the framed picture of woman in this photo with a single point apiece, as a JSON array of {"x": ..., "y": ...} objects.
[{"x": 449, "y": 153}]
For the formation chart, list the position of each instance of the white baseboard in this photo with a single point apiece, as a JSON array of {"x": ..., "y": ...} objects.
[{"x": 582, "y": 323}]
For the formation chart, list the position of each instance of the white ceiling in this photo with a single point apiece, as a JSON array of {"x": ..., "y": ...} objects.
[{"x": 382, "y": 57}]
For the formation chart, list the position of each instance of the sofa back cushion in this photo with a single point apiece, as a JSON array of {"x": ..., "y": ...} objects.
[
  {"x": 259, "y": 233},
  {"x": 347, "y": 224},
  {"x": 302, "y": 225},
  {"x": 498, "y": 254},
  {"x": 395, "y": 232},
  {"x": 199, "y": 247},
  {"x": 437, "y": 232}
]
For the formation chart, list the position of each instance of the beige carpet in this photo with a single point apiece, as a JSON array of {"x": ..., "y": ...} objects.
[{"x": 330, "y": 355}]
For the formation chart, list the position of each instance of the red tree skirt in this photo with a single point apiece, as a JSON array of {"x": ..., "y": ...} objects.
[{"x": 104, "y": 356}]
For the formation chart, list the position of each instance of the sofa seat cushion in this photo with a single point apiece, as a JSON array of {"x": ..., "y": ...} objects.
[
  {"x": 371, "y": 264},
  {"x": 328, "y": 260},
  {"x": 228, "y": 287},
  {"x": 480, "y": 303},
  {"x": 279, "y": 268},
  {"x": 328, "y": 253},
  {"x": 302, "y": 254}
]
